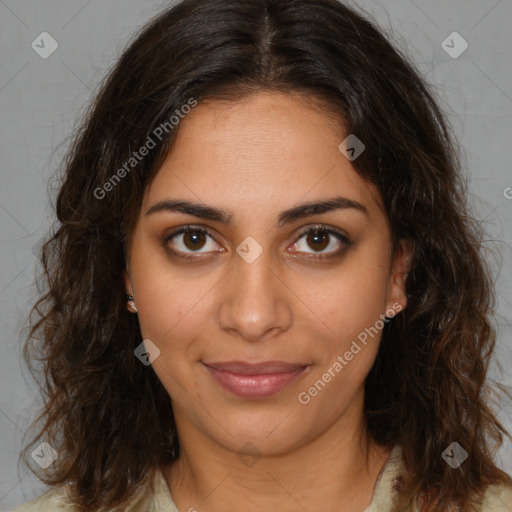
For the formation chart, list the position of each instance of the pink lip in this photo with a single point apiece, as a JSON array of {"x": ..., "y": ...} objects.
[{"x": 258, "y": 380}]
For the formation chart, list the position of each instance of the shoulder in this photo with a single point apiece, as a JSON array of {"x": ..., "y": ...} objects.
[
  {"x": 53, "y": 499},
  {"x": 497, "y": 498},
  {"x": 154, "y": 496},
  {"x": 388, "y": 483}
]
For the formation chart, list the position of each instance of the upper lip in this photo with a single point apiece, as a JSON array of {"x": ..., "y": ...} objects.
[{"x": 256, "y": 368}]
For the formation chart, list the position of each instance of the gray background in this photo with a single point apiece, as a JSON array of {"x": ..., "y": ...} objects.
[{"x": 40, "y": 100}]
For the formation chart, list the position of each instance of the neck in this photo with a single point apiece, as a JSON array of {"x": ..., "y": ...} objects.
[{"x": 334, "y": 472}]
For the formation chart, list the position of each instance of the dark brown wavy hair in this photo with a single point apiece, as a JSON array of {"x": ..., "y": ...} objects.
[{"x": 107, "y": 415}]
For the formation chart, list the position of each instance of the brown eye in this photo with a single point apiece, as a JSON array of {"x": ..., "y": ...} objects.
[
  {"x": 186, "y": 241},
  {"x": 319, "y": 239},
  {"x": 193, "y": 240}
]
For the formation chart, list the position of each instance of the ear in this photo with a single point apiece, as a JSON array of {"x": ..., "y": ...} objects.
[{"x": 400, "y": 267}]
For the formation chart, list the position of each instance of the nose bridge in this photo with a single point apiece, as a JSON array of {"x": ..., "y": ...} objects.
[{"x": 254, "y": 300}]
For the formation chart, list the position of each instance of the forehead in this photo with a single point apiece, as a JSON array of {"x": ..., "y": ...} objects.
[{"x": 264, "y": 152}]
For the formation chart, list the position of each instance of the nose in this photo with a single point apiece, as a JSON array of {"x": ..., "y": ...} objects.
[{"x": 255, "y": 303}]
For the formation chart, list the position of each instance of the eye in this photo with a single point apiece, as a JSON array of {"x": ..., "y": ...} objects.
[
  {"x": 320, "y": 238},
  {"x": 186, "y": 241},
  {"x": 190, "y": 238}
]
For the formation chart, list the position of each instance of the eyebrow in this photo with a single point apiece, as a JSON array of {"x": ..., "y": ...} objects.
[{"x": 286, "y": 217}]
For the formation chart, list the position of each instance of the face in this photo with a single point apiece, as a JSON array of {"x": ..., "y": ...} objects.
[{"x": 250, "y": 284}]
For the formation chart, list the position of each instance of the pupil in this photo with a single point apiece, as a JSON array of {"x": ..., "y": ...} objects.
[
  {"x": 196, "y": 237},
  {"x": 319, "y": 238}
]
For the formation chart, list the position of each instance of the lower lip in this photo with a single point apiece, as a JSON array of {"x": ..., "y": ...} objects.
[{"x": 254, "y": 386}]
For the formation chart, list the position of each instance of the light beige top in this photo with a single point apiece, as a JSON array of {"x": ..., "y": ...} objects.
[{"x": 497, "y": 499}]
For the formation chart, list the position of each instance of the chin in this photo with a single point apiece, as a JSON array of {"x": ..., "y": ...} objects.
[{"x": 271, "y": 432}]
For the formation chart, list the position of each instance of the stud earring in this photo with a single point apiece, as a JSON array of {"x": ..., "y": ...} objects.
[{"x": 130, "y": 304}]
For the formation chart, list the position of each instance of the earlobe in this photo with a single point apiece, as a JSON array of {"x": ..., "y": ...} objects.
[{"x": 130, "y": 302}]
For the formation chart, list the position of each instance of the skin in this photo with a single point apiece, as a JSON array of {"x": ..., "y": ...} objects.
[{"x": 256, "y": 158}]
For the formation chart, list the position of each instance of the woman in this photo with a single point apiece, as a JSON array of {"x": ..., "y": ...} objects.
[{"x": 265, "y": 289}]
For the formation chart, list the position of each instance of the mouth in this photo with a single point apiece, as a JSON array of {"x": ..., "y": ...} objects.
[{"x": 255, "y": 380}]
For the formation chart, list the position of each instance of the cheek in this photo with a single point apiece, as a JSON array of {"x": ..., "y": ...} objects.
[
  {"x": 168, "y": 300},
  {"x": 171, "y": 310},
  {"x": 172, "y": 315},
  {"x": 351, "y": 298},
  {"x": 353, "y": 305},
  {"x": 352, "y": 301}
]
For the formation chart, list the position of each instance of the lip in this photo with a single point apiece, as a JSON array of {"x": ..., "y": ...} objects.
[{"x": 255, "y": 380}]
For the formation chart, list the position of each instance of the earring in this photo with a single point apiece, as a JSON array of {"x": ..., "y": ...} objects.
[{"x": 130, "y": 304}]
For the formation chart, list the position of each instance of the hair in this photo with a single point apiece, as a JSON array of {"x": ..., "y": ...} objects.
[{"x": 108, "y": 416}]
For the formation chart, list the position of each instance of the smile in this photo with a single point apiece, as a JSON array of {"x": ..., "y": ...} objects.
[{"x": 255, "y": 380}]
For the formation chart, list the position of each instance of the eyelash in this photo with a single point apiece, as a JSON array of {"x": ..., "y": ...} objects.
[{"x": 320, "y": 256}]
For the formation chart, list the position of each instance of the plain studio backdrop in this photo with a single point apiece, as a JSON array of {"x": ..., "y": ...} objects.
[{"x": 461, "y": 46}]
